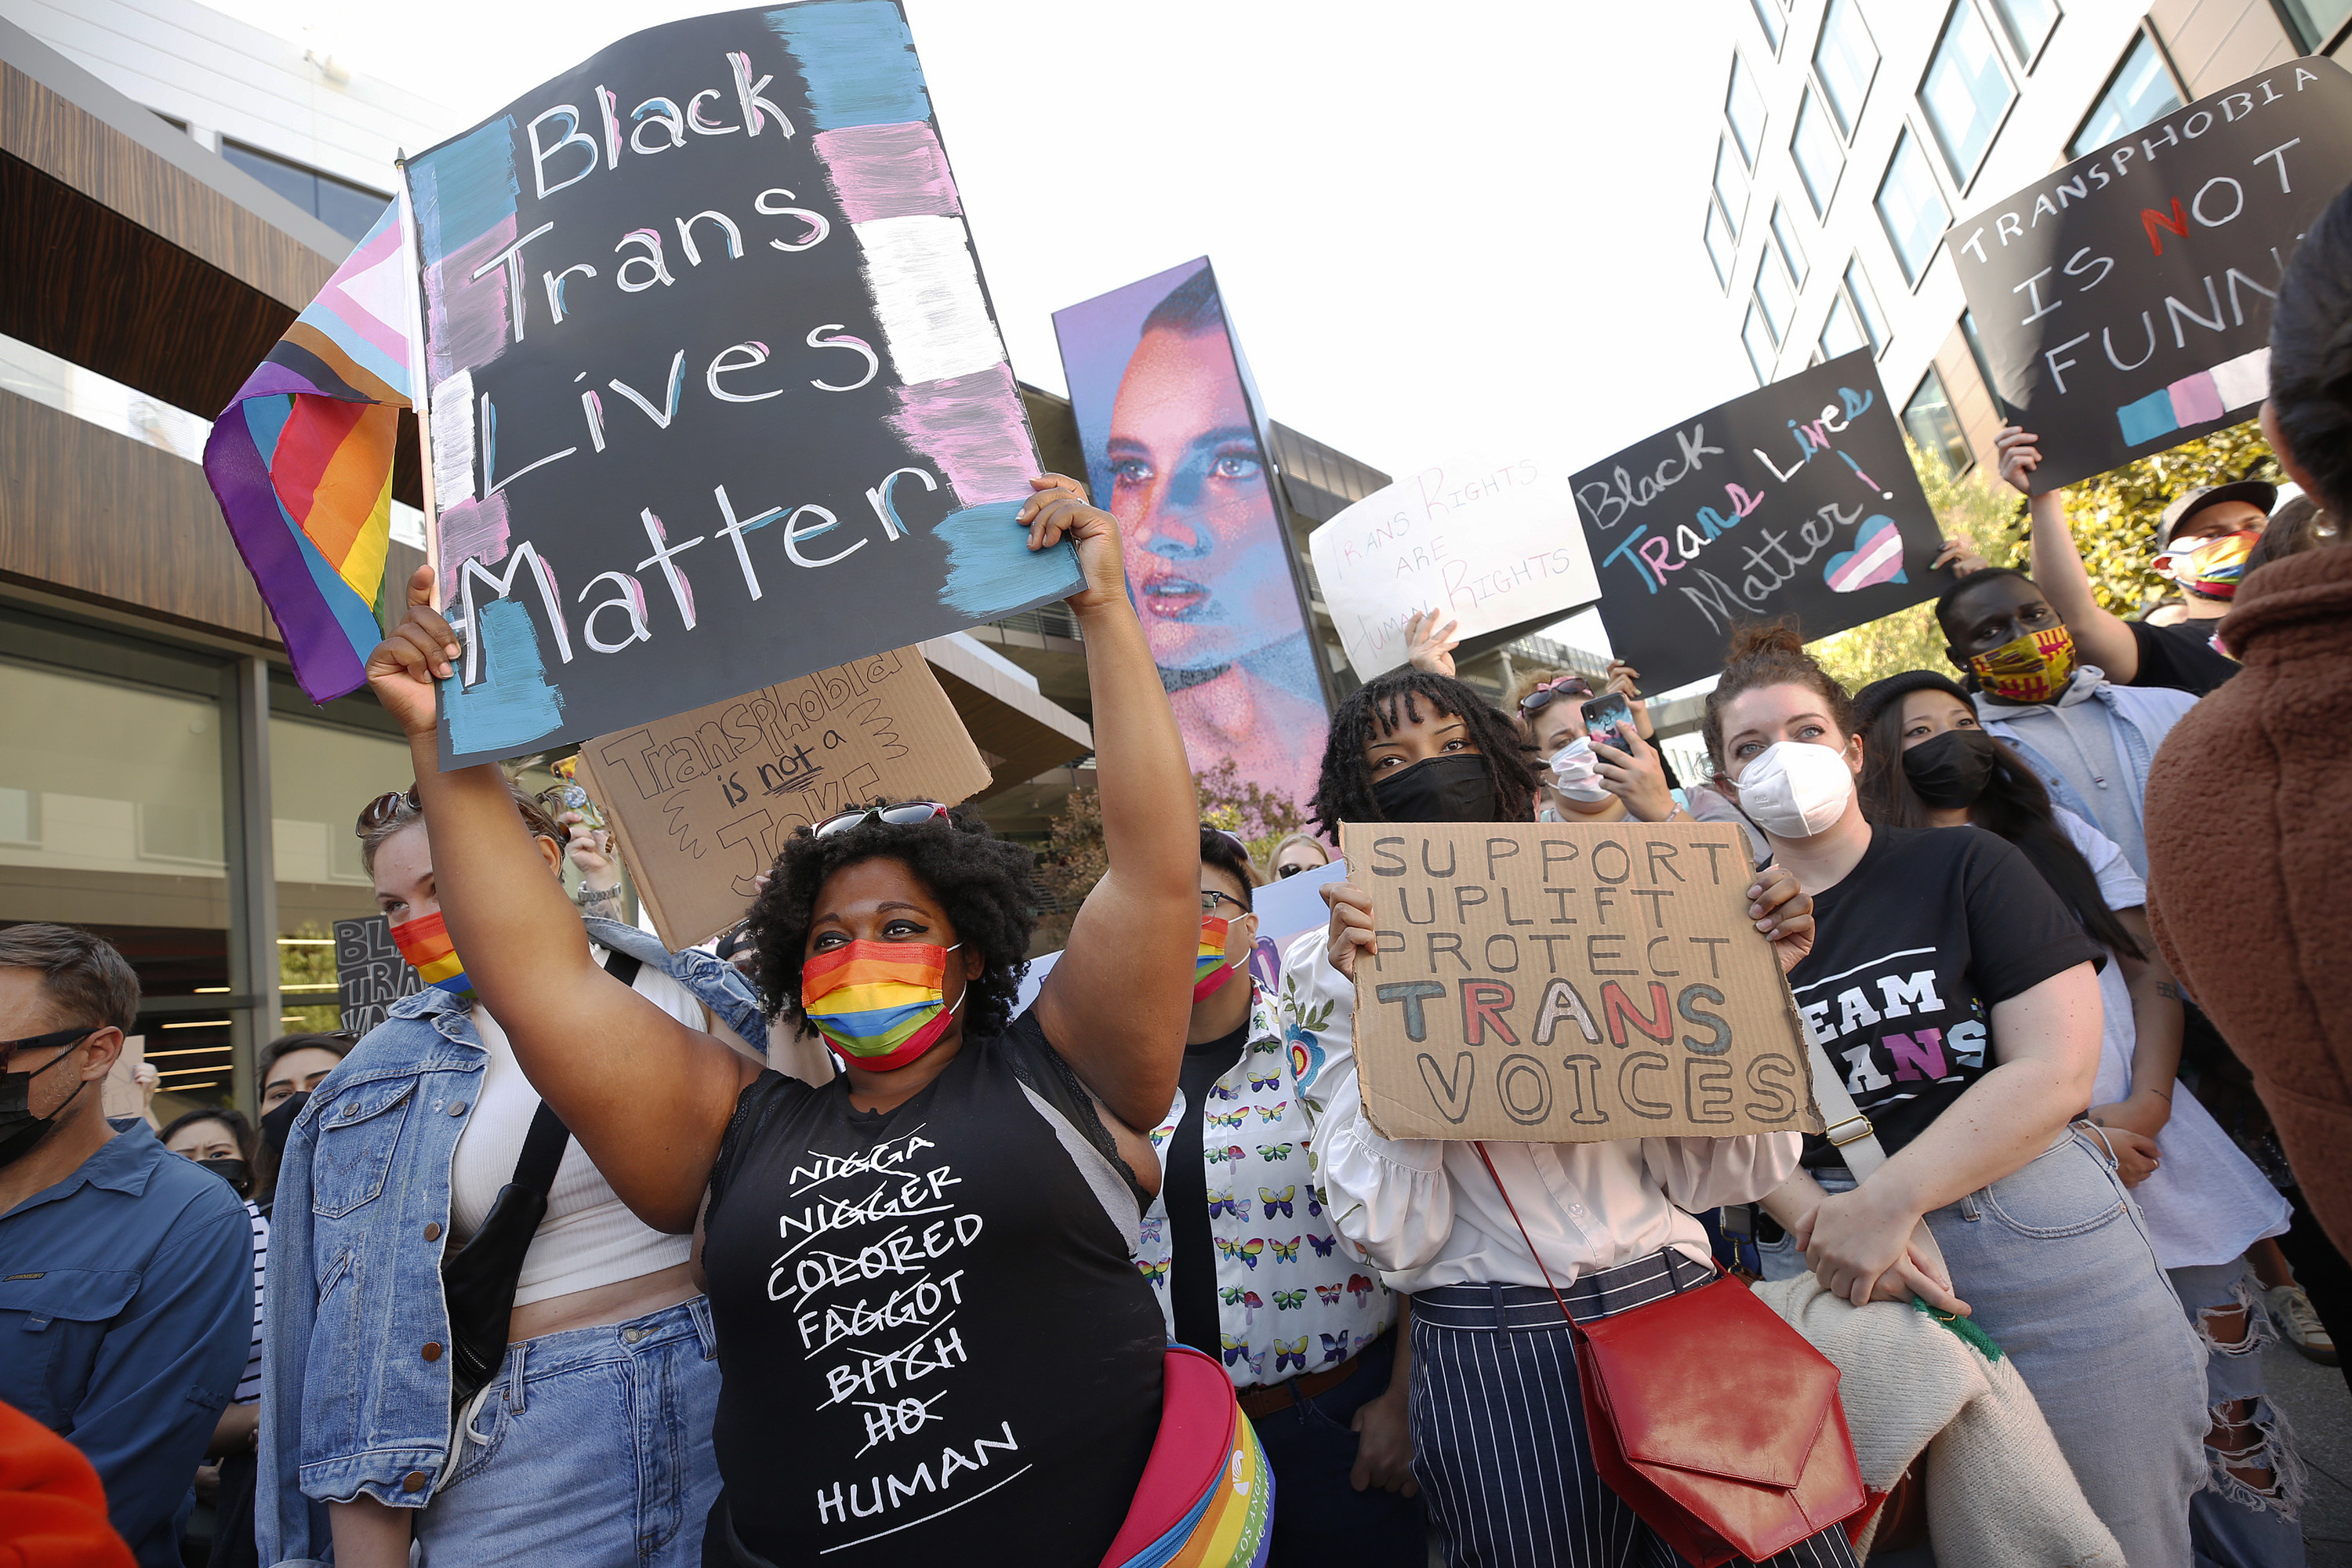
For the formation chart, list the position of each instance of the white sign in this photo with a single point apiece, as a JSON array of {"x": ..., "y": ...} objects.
[{"x": 1491, "y": 544}]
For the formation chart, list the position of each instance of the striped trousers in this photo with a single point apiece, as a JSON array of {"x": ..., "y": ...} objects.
[{"x": 1499, "y": 1439}]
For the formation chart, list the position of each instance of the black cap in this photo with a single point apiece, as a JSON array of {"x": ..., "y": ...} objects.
[
  {"x": 2256, "y": 493},
  {"x": 1872, "y": 699}
]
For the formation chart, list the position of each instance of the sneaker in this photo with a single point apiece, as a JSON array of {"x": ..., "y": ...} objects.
[{"x": 2291, "y": 1309}]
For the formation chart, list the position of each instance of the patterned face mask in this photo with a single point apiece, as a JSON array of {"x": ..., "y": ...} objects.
[
  {"x": 425, "y": 943},
  {"x": 1210, "y": 967},
  {"x": 2035, "y": 667},
  {"x": 879, "y": 1005},
  {"x": 2214, "y": 567}
]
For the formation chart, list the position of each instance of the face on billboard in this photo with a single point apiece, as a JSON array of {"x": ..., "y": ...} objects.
[{"x": 1189, "y": 488}]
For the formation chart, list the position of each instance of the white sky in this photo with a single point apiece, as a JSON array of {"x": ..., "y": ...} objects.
[{"x": 1475, "y": 233}]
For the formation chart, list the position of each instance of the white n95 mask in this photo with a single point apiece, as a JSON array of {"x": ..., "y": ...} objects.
[
  {"x": 1575, "y": 773},
  {"x": 1795, "y": 789}
]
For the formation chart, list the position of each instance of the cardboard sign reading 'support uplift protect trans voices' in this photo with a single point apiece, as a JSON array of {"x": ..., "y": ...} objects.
[{"x": 1556, "y": 983}]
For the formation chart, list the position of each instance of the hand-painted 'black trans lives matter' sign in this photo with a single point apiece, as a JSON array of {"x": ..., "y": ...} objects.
[
  {"x": 2125, "y": 301},
  {"x": 1796, "y": 500},
  {"x": 716, "y": 395}
]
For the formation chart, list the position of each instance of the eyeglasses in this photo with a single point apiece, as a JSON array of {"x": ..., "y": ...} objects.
[
  {"x": 69, "y": 1036},
  {"x": 908, "y": 815},
  {"x": 1210, "y": 897},
  {"x": 1543, "y": 696},
  {"x": 384, "y": 807}
]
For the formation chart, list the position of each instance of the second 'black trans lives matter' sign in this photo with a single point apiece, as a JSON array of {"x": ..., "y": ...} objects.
[
  {"x": 1796, "y": 500},
  {"x": 2125, "y": 301}
]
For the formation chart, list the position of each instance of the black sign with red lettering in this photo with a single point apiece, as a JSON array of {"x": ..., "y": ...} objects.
[{"x": 2123, "y": 303}]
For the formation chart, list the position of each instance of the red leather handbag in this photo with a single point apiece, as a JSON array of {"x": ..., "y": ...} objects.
[{"x": 1713, "y": 1420}]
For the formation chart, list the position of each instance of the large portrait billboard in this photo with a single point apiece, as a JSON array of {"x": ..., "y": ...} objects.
[{"x": 1176, "y": 450}]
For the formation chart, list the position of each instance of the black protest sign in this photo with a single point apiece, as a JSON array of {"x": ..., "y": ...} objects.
[
  {"x": 1554, "y": 984},
  {"x": 1795, "y": 499},
  {"x": 2125, "y": 301},
  {"x": 370, "y": 973},
  {"x": 716, "y": 395}
]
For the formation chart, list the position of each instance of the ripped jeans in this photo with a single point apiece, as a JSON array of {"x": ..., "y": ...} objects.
[{"x": 2232, "y": 1523}]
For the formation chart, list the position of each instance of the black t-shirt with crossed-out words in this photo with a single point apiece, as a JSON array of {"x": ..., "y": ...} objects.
[
  {"x": 934, "y": 1344},
  {"x": 1930, "y": 931}
]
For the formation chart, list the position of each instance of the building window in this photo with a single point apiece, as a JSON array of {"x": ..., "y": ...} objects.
[
  {"x": 2026, "y": 25},
  {"x": 1722, "y": 245},
  {"x": 1844, "y": 62},
  {"x": 1759, "y": 342},
  {"x": 1965, "y": 93},
  {"x": 1777, "y": 293},
  {"x": 1912, "y": 208},
  {"x": 1730, "y": 189},
  {"x": 2140, "y": 92},
  {"x": 1744, "y": 107},
  {"x": 346, "y": 208},
  {"x": 1984, "y": 365},
  {"x": 2312, "y": 22},
  {"x": 1769, "y": 17},
  {"x": 1820, "y": 159},
  {"x": 1857, "y": 293},
  {"x": 1842, "y": 334},
  {"x": 1784, "y": 241},
  {"x": 1929, "y": 418}
]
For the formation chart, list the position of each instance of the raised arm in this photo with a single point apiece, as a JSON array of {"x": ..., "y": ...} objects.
[
  {"x": 1116, "y": 1004},
  {"x": 647, "y": 1098},
  {"x": 2100, "y": 635}
]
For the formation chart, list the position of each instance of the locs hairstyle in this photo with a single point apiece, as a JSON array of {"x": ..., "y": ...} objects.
[
  {"x": 981, "y": 881},
  {"x": 1379, "y": 707}
]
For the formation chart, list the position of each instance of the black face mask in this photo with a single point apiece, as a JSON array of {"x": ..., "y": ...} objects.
[
  {"x": 1456, "y": 788},
  {"x": 21, "y": 1132},
  {"x": 1949, "y": 770},
  {"x": 278, "y": 1124},
  {"x": 236, "y": 1173}
]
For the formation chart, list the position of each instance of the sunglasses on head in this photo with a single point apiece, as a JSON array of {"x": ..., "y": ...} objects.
[
  {"x": 384, "y": 807},
  {"x": 909, "y": 815},
  {"x": 1239, "y": 842},
  {"x": 1543, "y": 696}
]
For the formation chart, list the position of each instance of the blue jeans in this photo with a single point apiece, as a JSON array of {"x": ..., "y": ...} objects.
[
  {"x": 1318, "y": 1517},
  {"x": 590, "y": 1448},
  {"x": 2230, "y": 1523},
  {"x": 2053, "y": 1263}
]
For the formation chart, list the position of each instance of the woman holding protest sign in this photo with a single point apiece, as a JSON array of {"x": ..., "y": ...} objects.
[
  {"x": 894, "y": 1257},
  {"x": 1953, "y": 1004},
  {"x": 1481, "y": 1246},
  {"x": 1927, "y": 763}
]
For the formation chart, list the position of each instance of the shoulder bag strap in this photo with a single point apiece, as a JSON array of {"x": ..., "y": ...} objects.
[
  {"x": 544, "y": 1145},
  {"x": 1857, "y": 1140},
  {"x": 1496, "y": 1177}
]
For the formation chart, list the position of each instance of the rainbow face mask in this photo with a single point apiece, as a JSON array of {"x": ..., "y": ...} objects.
[
  {"x": 425, "y": 943},
  {"x": 2035, "y": 667},
  {"x": 879, "y": 1005},
  {"x": 2214, "y": 567},
  {"x": 1210, "y": 967}
]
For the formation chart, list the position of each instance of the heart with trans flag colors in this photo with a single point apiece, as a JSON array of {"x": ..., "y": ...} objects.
[{"x": 1876, "y": 557}]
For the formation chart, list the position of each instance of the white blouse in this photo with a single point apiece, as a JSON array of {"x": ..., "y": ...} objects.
[{"x": 1427, "y": 1213}]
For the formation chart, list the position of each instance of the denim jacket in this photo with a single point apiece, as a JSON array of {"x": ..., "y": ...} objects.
[
  {"x": 355, "y": 1381},
  {"x": 2142, "y": 716}
]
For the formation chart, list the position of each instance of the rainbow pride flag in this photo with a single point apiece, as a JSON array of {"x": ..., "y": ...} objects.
[
  {"x": 425, "y": 943},
  {"x": 1206, "y": 1499},
  {"x": 300, "y": 461}
]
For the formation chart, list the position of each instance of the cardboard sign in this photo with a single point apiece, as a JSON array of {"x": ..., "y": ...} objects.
[
  {"x": 713, "y": 393},
  {"x": 121, "y": 1095},
  {"x": 1548, "y": 983},
  {"x": 1492, "y": 543},
  {"x": 2125, "y": 300},
  {"x": 702, "y": 802},
  {"x": 370, "y": 973},
  {"x": 1795, "y": 499}
]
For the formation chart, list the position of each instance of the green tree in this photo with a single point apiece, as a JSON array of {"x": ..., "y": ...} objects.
[
  {"x": 306, "y": 973},
  {"x": 1262, "y": 817}
]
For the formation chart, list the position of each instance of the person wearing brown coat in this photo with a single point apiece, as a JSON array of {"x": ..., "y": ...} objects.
[{"x": 2249, "y": 805}]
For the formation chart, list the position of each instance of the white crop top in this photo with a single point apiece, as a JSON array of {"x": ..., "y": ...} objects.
[{"x": 589, "y": 1237}]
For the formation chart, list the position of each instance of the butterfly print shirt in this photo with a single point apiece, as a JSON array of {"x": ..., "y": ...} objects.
[{"x": 1292, "y": 1296}]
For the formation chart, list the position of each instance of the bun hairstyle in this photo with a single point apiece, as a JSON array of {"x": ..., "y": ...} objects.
[
  {"x": 2311, "y": 353},
  {"x": 1769, "y": 654}
]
